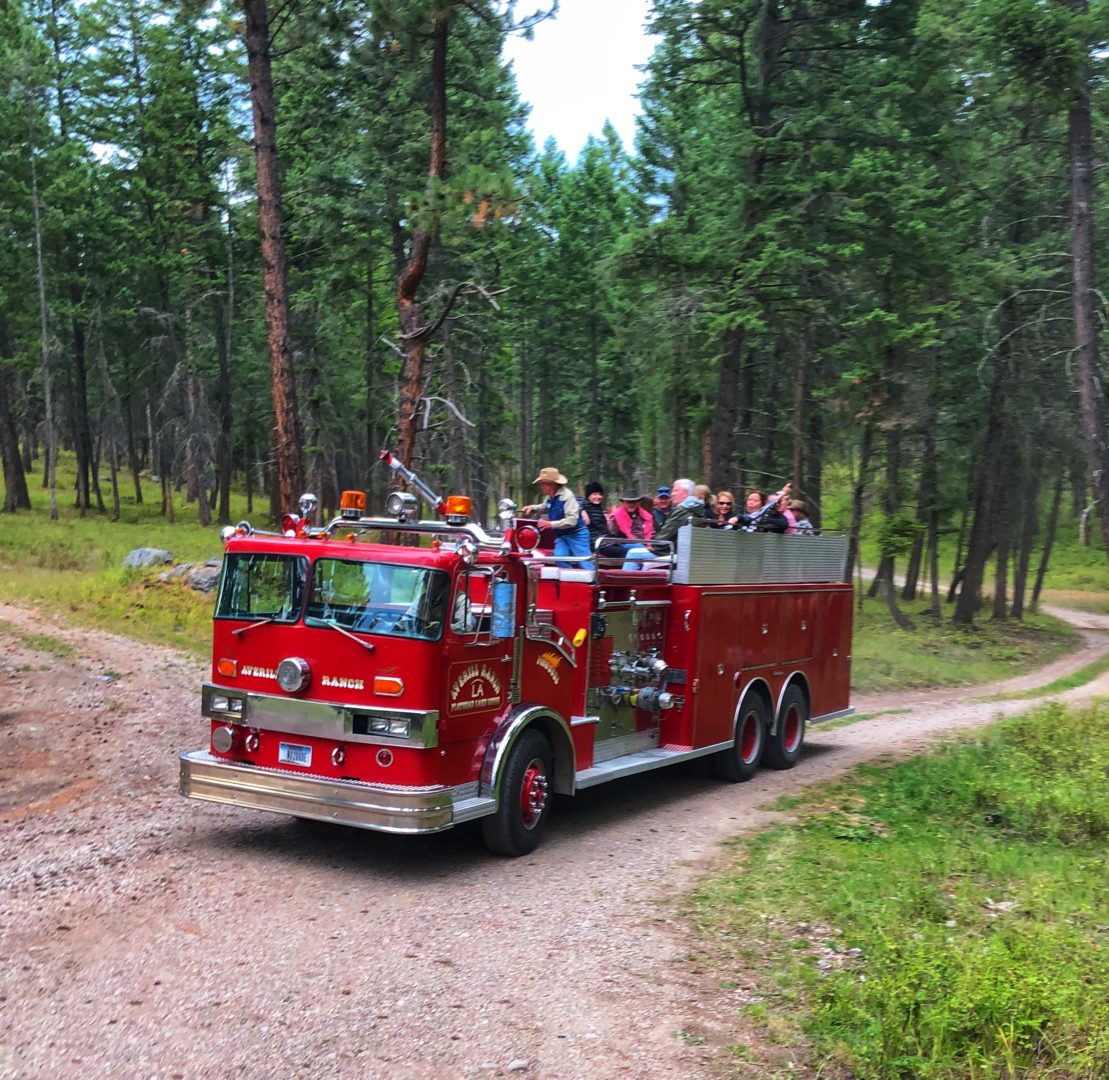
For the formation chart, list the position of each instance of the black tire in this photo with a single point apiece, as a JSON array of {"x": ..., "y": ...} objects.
[
  {"x": 783, "y": 748},
  {"x": 741, "y": 760},
  {"x": 525, "y": 798}
]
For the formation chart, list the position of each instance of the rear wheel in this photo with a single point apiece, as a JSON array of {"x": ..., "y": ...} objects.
[
  {"x": 525, "y": 798},
  {"x": 741, "y": 760},
  {"x": 784, "y": 747}
]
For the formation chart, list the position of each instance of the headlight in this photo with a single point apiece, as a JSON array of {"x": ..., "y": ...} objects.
[
  {"x": 218, "y": 704},
  {"x": 384, "y": 725},
  {"x": 293, "y": 674}
]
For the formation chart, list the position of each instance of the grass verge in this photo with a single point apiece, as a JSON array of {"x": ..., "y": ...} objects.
[
  {"x": 74, "y": 567},
  {"x": 886, "y": 658},
  {"x": 1075, "y": 679},
  {"x": 941, "y": 918}
]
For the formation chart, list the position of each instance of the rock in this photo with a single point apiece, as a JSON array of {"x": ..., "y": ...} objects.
[
  {"x": 146, "y": 556},
  {"x": 180, "y": 570},
  {"x": 204, "y": 578},
  {"x": 519, "y": 1065}
]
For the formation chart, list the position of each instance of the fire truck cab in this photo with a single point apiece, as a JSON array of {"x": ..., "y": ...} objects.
[{"x": 407, "y": 676}]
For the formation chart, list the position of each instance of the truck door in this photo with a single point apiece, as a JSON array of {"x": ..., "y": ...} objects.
[{"x": 478, "y": 665}]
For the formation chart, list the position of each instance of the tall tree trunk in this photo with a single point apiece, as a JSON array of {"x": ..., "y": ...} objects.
[
  {"x": 82, "y": 444},
  {"x": 287, "y": 443},
  {"x": 799, "y": 423},
  {"x": 961, "y": 535},
  {"x": 1084, "y": 299},
  {"x": 812, "y": 493},
  {"x": 594, "y": 464},
  {"x": 16, "y": 495},
  {"x": 1003, "y": 527},
  {"x": 1049, "y": 539},
  {"x": 722, "y": 427},
  {"x": 412, "y": 323},
  {"x": 1027, "y": 537},
  {"x": 44, "y": 330},
  {"x": 865, "y": 449}
]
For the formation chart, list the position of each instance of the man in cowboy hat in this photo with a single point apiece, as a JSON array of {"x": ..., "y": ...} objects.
[{"x": 562, "y": 512}]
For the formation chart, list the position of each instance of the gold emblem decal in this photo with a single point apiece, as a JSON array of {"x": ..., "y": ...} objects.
[
  {"x": 549, "y": 662},
  {"x": 473, "y": 687},
  {"x": 259, "y": 672}
]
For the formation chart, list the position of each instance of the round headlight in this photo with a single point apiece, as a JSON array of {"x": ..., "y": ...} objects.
[
  {"x": 401, "y": 504},
  {"x": 293, "y": 674}
]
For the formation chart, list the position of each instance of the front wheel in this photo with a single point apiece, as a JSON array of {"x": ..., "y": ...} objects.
[
  {"x": 525, "y": 798},
  {"x": 783, "y": 748},
  {"x": 741, "y": 760}
]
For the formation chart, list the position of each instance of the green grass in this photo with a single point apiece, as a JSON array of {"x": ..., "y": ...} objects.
[
  {"x": 885, "y": 658},
  {"x": 1075, "y": 679},
  {"x": 74, "y": 566},
  {"x": 40, "y": 642},
  {"x": 941, "y": 918}
]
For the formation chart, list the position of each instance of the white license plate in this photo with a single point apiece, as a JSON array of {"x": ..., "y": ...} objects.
[{"x": 291, "y": 754}]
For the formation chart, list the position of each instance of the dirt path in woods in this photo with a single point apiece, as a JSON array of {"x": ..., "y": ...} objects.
[{"x": 144, "y": 935}]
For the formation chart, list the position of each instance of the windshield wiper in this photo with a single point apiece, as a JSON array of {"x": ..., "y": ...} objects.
[
  {"x": 369, "y": 646},
  {"x": 238, "y": 631}
]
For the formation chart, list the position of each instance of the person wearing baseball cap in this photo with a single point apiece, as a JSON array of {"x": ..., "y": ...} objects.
[
  {"x": 662, "y": 505},
  {"x": 562, "y": 512}
]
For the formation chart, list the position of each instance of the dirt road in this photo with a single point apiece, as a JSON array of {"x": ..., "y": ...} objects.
[{"x": 143, "y": 935}]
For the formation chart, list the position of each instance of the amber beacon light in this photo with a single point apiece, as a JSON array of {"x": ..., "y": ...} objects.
[{"x": 353, "y": 504}]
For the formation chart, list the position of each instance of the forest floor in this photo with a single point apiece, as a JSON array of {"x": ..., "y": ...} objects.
[{"x": 147, "y": 936}]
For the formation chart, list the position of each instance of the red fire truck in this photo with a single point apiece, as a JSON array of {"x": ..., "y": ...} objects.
[{"x": 408, "y": 675}]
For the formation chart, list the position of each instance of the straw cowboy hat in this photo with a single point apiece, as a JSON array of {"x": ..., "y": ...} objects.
[{"x": 549, "y": 476}]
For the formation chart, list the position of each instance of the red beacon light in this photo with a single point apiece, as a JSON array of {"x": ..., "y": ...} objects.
[
  {"x": 352, "y": 505},
  {"x": 457, "y": 509},
  {"x": 527, "y": 537}
]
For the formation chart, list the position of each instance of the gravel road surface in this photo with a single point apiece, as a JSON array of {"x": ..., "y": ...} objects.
[{"x": 145, "y": 935}]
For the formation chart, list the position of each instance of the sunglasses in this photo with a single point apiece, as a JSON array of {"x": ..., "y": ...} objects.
[{"x": 723, "y": 502}]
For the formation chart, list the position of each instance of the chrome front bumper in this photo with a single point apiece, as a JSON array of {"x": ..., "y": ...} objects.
[{"x": 346, "y": 802}]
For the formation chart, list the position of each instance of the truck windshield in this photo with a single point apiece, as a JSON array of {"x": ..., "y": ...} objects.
[
  {"x": 378, "y": 598},
  {"x": 258, "y": 586}
]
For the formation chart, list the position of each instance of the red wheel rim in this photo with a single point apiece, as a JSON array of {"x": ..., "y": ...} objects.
[
  {"x": 533, "y": 793},
  {"x": 791, "y": 730},
  {"x": 750, "y": 736}
]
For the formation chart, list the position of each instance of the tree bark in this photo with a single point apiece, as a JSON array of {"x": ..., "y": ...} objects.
[
  {"x": 722, "y": 427},
  {"x": 50, "y": 472},
  {"x": 1049, "y": 539},
  {"x": 412, "y": 323},
  {"x": 287, "y": 443},
  {"x": 16, "y": 495},
  {"x": 1084, "y": 298},
  {"x": 1029, "y": 527},
  {"x": 865, "y": 449}
]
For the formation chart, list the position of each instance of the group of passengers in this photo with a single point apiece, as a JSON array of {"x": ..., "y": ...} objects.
[{"x": 625, "y": 530}]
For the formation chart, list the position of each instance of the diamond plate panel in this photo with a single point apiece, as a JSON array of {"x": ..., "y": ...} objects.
[{"x": 723, "y": 557}]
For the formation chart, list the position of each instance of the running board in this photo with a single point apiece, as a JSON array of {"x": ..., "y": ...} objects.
[
  {"x": 642, "y": 761},
  {"x": 839, "y": 714}
]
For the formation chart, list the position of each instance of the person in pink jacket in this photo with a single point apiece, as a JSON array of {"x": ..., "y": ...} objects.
[{"x": 630, "y": 521}]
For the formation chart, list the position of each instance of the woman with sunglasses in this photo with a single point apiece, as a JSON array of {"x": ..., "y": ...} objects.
[{"x": 725, "y": 509}]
